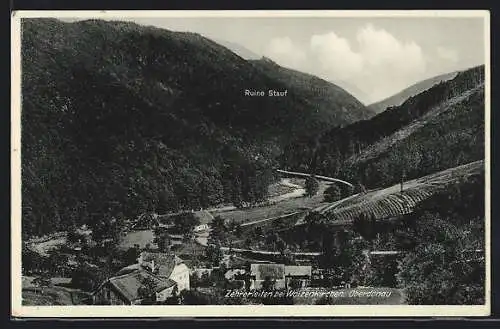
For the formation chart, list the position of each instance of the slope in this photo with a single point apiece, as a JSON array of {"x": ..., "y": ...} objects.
[
  {"x": 415, "y": 89},
  {"x": 118, "y": 119},
  {"x": 323, "y": 97},
  {"x": 238, "y": 49},
  {"x": 440, "y": 128}
]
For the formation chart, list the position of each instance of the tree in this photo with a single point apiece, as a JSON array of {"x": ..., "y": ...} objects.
[
  {"x": 359, "y": 188},
  {"x": 74, "y": 236},
  {"x": 366, "y": 226},
  {"x": 43, "y": 280},
  {"x": 147, "y": 291},
  {"x": 58, "y": 263},
  {"x": 219, "y": 230},
  {"x": 32, "y": 262},
  {"x": 332, "y": 193},
  {"x": 238, "y": 231},
  {"x": 295, "y": 284},
  {"x": 130, "y": 256},
  {"x": 268, "y": 283},
  {"x": 86, "y": 277},
  {"x": 162, "y": 239},
  {"x": 214, "y": 254},
  {"x": 185, "y": 223},
  {"x": 103, "y": 230},
  {"x": 444, "y": 267},
  {"x": 175, "y": 299},
  {"x": 316, "y": 228},
  {"x": 311, "y": 185}
]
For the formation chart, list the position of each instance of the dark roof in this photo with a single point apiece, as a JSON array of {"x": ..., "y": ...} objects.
[
  {"x": 165, "y": 262},
  {"x": 127, "y": 285},
  {"x": 273, "y": 271},
  {"x": 298, "y": 270},
  {"x": 128, "y": 269}
]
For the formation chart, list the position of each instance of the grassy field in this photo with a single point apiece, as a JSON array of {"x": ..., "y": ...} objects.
[
  {"x": 279, "y": 189},
  {"x": 59, "y": 293},
  {"x": 277, "y": 209},
  {"x": 141, "y": 238},
  {"x": 44, "y": 245}
]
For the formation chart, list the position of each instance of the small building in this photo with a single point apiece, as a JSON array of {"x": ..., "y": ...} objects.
[
  {"x": 175, "y": 239},
  {"x": 259, "y": 273},
  {"x": 235, "y": 274},
  {"x": 301, "y": 274},
  {"x": 125, "y": 289},
  {"x": 201, "y": 228},
  {"x": 166, "y": 271},
  {"x": 166, "y": 265}
]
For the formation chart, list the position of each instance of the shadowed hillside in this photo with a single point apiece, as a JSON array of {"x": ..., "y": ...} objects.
[
  {"x": 322, "y": 96},
  {"x": 118, "y": 119},
  {"x": 399, "y": 98},
  {"x": 440, "y": 128}
]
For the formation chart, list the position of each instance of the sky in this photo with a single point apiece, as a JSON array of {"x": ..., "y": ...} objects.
[{"x": 371, "y": 57}]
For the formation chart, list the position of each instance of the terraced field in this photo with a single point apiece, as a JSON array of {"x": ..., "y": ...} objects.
[{"x": 391, "y": 202}]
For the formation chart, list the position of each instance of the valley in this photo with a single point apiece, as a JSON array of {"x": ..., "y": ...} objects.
[{"x": 155, "y": 172}]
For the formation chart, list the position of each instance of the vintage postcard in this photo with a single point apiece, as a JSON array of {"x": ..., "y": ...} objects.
[{"x": 250, "y": 163}]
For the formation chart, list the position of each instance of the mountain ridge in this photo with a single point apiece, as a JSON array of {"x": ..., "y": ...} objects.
[
  {"x": 439, "y": 128},
  {"x": 119, "y": 119},
  {"x": 412, "y": 90}
]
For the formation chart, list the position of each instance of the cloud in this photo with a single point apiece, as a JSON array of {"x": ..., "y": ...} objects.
[
  {"x": 284, "y": 51},
  {"x": 380, "y": 48},
  {"x": 335, "y": 55},
  {"x": 375, "y": 61},
  {"x": 448, "y": 55}
]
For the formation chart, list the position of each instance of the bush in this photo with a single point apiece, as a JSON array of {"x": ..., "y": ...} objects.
[
  {"x": 311, "y": 185},
  {"x": 333, "y": 193}
]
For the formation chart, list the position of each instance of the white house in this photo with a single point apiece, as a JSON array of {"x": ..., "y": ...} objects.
[{"x": 166, "y": 271}]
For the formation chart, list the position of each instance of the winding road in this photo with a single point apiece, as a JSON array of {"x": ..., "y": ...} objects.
[{"x": 325, "y": 178}]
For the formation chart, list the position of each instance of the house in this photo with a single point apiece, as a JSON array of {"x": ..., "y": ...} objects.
[
  {"x": 204, "y": 220},
  {"x": 201, "y": 228},
  {"x": 282, "y": 275},
  {"x": 259, "y": 273},
  {"x": 125, "y": 289},
  {"x": 199, "y": 272},
  {"x": 300, "y": 274},
  {"x": 237, "y": 278},
  {"x": 166, "y": 265},
  {"x": 166, "y": 272},
  {"x": 235, "y": 274},
  {"x": 175, "y": 239}
]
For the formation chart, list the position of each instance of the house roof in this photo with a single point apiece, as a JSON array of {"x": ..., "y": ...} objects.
[
  {"x": 231, "y": 273},
  {"x": 176, "y": 236},
  {"x": 298, "y": 270},
  {"x": 165, "y": 262},
  {"x": 127, "y": 285},
  {"x": 128, "y": 269},
  {"x": 204, "y": 216},
  {"x": 273, "y": 271}
]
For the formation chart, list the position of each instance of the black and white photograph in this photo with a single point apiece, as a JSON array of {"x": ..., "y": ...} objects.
[{"x": 250, "y": 163}]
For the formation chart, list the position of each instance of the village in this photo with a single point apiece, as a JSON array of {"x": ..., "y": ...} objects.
[{"x": 195, "y": 257}]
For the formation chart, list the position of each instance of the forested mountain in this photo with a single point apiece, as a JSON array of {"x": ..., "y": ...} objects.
[
  {"x": 415, "y": 89},
  {"x": 440, "y": 128},
  {"x": 238, "y": 49},
  {"x": 118, "y": 119},
  {"x": 327, "y": 102}
]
